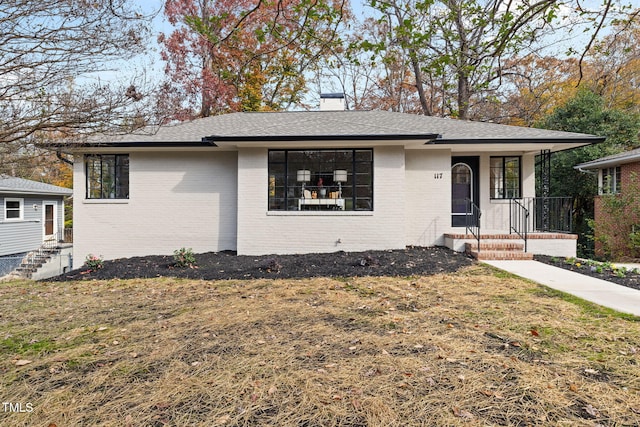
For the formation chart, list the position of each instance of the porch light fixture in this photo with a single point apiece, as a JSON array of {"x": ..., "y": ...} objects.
[{"x": 340, "y": 176}]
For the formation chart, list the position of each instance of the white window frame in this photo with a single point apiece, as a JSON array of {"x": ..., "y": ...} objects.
[
  {"x": 612, "y": 187},
  {"x": 6, "y": 208}
]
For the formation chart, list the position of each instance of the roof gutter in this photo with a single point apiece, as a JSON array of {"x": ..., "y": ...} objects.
[
  {"x": 302, "y": 138},
  {"x": 597, "y": 164},
  {"x": 584, "y": 141},
  {"x": 73, "y": 146}
]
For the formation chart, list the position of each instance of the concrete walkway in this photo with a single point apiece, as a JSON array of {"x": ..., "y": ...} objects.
[{"x": 599, "y": 291}]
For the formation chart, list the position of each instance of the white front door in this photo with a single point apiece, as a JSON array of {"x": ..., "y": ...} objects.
[{"x": 50, "y": 219}]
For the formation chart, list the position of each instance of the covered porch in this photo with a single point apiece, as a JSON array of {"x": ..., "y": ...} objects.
[{"x": 536, "y": 225}]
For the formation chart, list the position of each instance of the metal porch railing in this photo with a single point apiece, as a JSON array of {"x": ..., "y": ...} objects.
[
  {"x": 472, "y": 220},
  {"x": 518, "y": 220},
  {"x": 551, "y": 214}
]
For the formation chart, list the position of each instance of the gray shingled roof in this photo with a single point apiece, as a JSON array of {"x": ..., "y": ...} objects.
[
  {"x": 614, "y": 159},
  {"x": 338, "y": 124},
  {"x": 9, "y": 184}
]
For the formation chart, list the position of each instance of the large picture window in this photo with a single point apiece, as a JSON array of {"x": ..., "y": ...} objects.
[
  {"x": 107, "y": 176},
  {"x": 505, "y": 177},
  {"x": 303, "y": 180}
]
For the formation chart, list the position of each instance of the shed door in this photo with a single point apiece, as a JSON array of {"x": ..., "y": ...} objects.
[{"x": 49, "y": 219}]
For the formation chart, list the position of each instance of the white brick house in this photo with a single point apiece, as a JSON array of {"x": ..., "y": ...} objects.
[{"x": 295, "y": 182}]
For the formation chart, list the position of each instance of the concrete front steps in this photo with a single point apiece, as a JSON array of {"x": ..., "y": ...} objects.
[
  {"x": 503, "y": 246},
  {"x": 45, "y": 263}
]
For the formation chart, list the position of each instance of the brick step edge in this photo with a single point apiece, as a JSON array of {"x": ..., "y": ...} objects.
[
  {"x": 501, "y": 255},
  {"x": 494, "y": 246}
]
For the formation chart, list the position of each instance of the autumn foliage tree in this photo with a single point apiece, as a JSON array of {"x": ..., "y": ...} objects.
[
  {"x": 51, "y": 52},
  {"x": 244, "y": 54}
]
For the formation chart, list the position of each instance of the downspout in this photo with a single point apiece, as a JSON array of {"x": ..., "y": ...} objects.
[{"x": 65, "y": 160}]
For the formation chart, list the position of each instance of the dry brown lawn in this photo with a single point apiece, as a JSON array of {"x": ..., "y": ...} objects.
[{"x": 473, "y": 348}]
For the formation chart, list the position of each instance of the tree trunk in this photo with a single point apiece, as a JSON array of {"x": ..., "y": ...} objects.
[{"x": 418, "y": 75}]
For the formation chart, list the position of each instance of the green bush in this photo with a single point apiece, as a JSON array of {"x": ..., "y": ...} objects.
[
  {"x": 93, "y": 262},
  {"x": 184, "y": 258}
]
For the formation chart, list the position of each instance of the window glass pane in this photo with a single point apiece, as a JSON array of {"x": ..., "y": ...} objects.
[
  {"x": 122, "y": 177},
  {"x": 12, "y": 209},
  {"x": 504, "y": 177},
  {"x": 107, "y": 176},
  {"x": 307, "y": 179},
  {"x": 276, "y": 156},
  {"x": 495, "y": 178}
]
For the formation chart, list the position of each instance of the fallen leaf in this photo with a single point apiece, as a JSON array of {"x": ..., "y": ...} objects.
[
  {"x": 534, "y": 332},
  {"x": 272, "y": 390},
  {"x": 573, "y": 388},
  {"x": 462, "y": 413},
  {"x": 592, "y": 411},
  {"x": 23, "y": 362},
  {"x": 223, "y": 420}
]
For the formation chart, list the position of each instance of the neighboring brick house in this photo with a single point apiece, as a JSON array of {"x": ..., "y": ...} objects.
[{"x": 618, "y": 175}]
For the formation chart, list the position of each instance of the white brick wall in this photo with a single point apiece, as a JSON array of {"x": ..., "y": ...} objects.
[
  {"x": 176, "y": 199},
  {"x": 428, "y": 196},
  {"x": 268, "y": 232}
]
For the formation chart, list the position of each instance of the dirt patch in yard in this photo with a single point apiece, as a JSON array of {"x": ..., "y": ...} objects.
[{"x": 227, "y": 265}]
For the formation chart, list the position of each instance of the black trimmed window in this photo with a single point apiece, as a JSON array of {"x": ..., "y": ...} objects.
[
  {"x": 322, "y": 179},
  {"x": 107, "y": 176},
  {"x": 13, "y": 209},
  {"x": 611, "y": 180},
  {"x": 505, "y": 177}
]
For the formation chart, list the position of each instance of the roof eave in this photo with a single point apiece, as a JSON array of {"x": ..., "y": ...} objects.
[
  {"x": 34, "y": 192},
  {"x": 305, "y": 138},
  {"x": 127, "y": 144},
  {"x": 599, "y": 164},
  {"x": 577, "y": 141}
]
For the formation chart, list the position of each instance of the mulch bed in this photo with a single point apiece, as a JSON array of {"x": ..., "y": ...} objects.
[
  {"x": 628, "y": 279},
  {"x": 413, "y": 261}
]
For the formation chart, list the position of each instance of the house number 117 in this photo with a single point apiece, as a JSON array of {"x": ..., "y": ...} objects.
[{"x": 437, "y": 175}]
